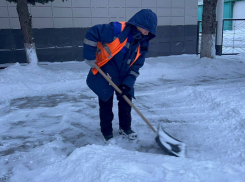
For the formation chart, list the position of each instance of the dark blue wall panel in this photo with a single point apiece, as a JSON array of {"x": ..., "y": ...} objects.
[{"x": 65, "y": 44}]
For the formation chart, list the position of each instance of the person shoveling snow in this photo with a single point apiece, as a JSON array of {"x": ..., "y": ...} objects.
[{"x": 118, "y": 50}]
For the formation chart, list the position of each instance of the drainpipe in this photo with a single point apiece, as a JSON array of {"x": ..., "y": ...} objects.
[{"x": 219, "y": 19}]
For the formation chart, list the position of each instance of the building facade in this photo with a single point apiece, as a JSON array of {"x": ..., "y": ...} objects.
[{"x": 59, "y": 27}]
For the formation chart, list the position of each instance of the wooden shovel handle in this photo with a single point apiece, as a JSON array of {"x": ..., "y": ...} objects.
[{"x": 125, "y": 97}]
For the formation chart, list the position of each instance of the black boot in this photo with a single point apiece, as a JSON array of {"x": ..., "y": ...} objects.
[
  {"x": 107, "y": 137},
  {"x": 128, "y": 133}
]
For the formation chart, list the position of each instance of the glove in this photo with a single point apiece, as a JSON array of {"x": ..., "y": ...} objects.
[
  {"x": 91, "y": 63},
  {"x": 125, "y": 89}
]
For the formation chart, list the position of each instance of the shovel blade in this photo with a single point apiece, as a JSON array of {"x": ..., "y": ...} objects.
[{"x": 169, "y": 144}]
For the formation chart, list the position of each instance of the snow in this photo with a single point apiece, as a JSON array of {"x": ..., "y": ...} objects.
[{"x": 50, "y": 124}]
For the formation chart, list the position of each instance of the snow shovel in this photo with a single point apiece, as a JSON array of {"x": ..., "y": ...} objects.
[{"x": 170, "y": 145}]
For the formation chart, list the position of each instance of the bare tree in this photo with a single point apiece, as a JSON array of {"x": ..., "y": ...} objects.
[
  {"x": 26, "y": 27},
  {"x": 208, "y": 29}
]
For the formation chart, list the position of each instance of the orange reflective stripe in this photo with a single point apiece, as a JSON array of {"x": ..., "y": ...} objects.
[
  {"x": 108, "y": 51},
  {"x": 138, "y": 52},
  {"x": 123, "y": 25},
  {"x": 114, "y": 47},
  {"x": 117, "y": 47},
  {"x": 137, "y": 56}
]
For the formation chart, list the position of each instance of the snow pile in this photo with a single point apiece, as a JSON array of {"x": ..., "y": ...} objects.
[
  {"x": 111, "y": 163},
  {"x": 24, "y": 81},
  {"x": 191, "y": 67}
]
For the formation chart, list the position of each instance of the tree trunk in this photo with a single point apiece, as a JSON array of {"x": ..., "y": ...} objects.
[
  {"x": 26, "y": 28},
  {"x": 208, "y": 29}
]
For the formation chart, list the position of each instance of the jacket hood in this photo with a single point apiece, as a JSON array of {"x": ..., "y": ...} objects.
[{"x": 146, "y": 19}]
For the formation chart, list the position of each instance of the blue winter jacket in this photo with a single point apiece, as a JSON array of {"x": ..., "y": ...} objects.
[{"x": 118, "y": 67}]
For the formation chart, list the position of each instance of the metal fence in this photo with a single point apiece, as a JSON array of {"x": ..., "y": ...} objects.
[{"x": 233, "y": 36}]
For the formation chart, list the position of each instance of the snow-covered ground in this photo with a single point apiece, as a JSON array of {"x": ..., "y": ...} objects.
[{"x": 50, "y": 123}]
